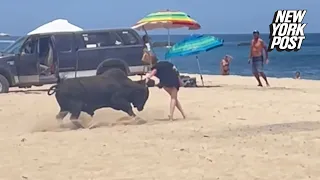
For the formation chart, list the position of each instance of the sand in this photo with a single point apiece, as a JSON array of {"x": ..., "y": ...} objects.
[{"x": 234, "y": 131}]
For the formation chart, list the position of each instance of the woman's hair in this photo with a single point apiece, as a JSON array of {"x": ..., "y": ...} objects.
[
  {"x": 228, "y": 57},
  {"x": 145, "y": 38},
  {"x": 176, "y": 70}
]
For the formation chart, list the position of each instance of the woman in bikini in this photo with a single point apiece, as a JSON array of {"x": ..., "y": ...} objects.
[
  {"x": 170, "y": 82},
  {"x": 224, "y": 65}
]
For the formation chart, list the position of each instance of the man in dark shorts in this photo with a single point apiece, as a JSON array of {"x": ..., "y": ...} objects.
[
  {"x": 170, "y": 82},
  {"x": 256, "y": 57}
]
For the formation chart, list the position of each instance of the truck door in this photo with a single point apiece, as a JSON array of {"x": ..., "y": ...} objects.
[
  {"x": 27, "y": 62},
  {"x": 64, "y": 45},
  {"x": 55, "y": 63}
]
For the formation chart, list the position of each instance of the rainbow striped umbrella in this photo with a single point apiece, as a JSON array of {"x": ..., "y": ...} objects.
[{"x": 168, "y": 20}]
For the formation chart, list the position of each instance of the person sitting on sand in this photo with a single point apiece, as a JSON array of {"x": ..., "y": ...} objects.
[
  {"x": 170, "y": 82},
  {"x": 297, "y": 75},
  {"x": 224, "y": 65}
]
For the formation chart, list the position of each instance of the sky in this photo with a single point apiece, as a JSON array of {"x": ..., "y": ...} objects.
[{"x": 18, "y": 17}]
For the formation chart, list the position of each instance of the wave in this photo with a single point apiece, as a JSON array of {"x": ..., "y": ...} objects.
[{"x": 6, "y": 41}]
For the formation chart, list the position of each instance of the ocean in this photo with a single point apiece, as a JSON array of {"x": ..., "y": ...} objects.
[{"x": 282, "y": 64}]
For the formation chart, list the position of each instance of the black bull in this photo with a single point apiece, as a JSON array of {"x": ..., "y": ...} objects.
[{"x": 111, "y": 89}]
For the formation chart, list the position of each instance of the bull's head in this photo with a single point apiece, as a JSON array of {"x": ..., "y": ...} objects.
[{"x": 140, "y": 98}]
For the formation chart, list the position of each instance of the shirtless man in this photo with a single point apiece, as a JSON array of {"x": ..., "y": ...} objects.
[
  {"x": 224, "y": 65},
  {"x": 256, "y": 57}
]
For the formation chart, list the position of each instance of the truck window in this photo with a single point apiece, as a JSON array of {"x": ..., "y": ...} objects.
[
  {"x": 101, "y": 39},
  {"x": 30, "y": 46},
  {"x": 128, "y": 37},
  {"x": 63, "y": 42},
  {"x": 15, "y": 47},
  {"x": 43, "y": 46}
]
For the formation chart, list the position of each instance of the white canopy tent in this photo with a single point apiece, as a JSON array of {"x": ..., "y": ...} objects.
[{"x": 59, "y": 25}]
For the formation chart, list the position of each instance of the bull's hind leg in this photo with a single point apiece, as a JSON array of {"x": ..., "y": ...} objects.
[
  {"x": 61, "y": 115},
  {"x": 74, "y": 118},
  {"x": 76, "y": 107},
  {"x": 88, "y": 109},
  {"x": 63, "y": 108}
]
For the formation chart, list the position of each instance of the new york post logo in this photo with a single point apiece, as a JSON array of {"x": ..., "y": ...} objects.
[{"x": 287, "y": 30}]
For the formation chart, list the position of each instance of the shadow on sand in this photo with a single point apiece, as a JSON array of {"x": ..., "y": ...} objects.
[
  {"x": 29, "y": 91},
  {"x": 281, "y": 128},
  {"x": 125, "y": 121},
  {"x": 206, "y": 86},
  {"x": 67, "y": 125},
  {"x": 276, "y": 89}
]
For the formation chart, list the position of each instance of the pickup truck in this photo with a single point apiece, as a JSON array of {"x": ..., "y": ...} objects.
[{"x": 35, "y": 60}]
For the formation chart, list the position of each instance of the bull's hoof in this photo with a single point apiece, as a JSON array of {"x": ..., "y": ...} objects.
[
  {"x": 60, "y": 124},
  {"x": 125, "y": 118},
  {"x": 138, "y": 120},
  {"x": 93, "y": 125},
  {"x": 77, "y": 124}
]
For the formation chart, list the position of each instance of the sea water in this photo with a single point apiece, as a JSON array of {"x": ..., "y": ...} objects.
[{"x": 282, "y": 64}]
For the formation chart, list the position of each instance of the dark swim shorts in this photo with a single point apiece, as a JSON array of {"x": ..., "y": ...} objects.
[{"x": 257, "y": 64}]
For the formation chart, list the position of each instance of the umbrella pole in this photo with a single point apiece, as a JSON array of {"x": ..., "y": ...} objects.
[
  {"x": 200, "y": 70},
  {"x": 144, "y": 29},
  {"x": 168, "y": 45},
  {"x": 169, "y": 38}
]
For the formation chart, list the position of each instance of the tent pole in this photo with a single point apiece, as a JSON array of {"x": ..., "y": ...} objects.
[{"x": 200, "y": 70}]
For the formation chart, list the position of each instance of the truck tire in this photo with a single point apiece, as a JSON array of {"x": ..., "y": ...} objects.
[
  {"x": 4, "y": 84},
  {"x": 112, "y": 63},
  {"x": 106, "y": 68}
]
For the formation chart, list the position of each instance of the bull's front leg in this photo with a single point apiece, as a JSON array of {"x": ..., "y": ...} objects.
[
  {"x": 89, "y": 109},
  {"x": 122, "y": 104}
]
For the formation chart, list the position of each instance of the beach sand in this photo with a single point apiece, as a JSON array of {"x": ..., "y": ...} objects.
[{"x": 234, "y": 131}]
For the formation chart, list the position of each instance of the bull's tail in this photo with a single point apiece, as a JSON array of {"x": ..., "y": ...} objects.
[
  {"x": 52, "y": 90},
  {"x": 58, "y": 79}
]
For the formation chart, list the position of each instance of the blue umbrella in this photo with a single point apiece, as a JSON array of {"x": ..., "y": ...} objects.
[{"x": 194, "y": 45}]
